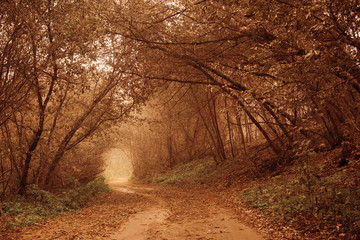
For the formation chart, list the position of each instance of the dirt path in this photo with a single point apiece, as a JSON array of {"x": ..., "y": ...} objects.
[
  {"x": 179, "y": 215},
  {"x": 135, "y": 212}
]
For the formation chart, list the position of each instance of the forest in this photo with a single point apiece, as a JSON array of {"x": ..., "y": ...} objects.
[{"x": 260, "y": 87}]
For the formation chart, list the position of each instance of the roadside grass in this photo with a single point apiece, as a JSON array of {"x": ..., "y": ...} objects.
[
  {"x": 312, "y": 195},
  {"x": 312, "y": 202},
  {"x": 41, "y": 205},
  {"x": 197, "y": 171}
]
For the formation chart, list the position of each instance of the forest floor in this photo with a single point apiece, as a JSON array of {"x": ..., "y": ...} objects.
[
  {"x": 201, "y": 201},
  {"x": 134, "y": 211}
]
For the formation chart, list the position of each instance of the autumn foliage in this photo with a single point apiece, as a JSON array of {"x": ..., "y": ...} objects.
[
  {"x": 222, "y": 76},
  {"x": 269, "y": 82}
]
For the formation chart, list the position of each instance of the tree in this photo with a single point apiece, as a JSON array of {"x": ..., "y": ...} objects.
[
  {"x": 72, "y": 76},
  {"x": 266, "y": 56}
]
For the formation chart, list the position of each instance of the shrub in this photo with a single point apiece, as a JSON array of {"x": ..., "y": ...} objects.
[
  {"x": 195, "y": 171},
  {"x": 41, "y": 205},
  {"x": 334, "y": 199}
]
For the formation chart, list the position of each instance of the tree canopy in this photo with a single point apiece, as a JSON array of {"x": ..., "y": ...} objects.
[{"x": 236, "y": 72}]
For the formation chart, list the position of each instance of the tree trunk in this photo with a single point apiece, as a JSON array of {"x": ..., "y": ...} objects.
[
  {"x": 170, "y": 151},
  {"x": 229, "y": 128},
  {"x": 257, "y": 124},
  {"x": 241, "y": 132},
  {"x": 242, "y": 105},
  {"x": 214, "y": 119},
  {"x": 32, "y": 147},
  {"x": 65, "y": 142}
]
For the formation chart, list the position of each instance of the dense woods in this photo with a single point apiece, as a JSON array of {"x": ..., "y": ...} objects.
[
  {"x": 244, "y": 71},
  {"x": 263, "y": 83},
  {"x": 215, "y": 76},
  {"x": 62, "y": 82}
]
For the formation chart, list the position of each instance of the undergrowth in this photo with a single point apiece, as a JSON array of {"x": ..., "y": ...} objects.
[
  {"x": 40, "y": 205},
  {"x": 196, "y": 171},
  {"x": 308, "y": 199}
]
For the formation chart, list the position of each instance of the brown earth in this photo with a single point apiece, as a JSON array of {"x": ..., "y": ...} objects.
[{"x": 146, "y": 212}]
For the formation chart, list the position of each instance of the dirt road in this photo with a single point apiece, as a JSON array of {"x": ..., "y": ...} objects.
[
  {"x": 135, "y": 212},
  {"x": 177, "y": 215}
]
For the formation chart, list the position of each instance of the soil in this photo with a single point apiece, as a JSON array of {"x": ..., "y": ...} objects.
[{"x": 145, "y": 212}]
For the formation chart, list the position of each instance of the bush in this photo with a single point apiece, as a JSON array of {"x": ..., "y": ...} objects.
[
  {"x": 195, "y": 172},
  {"x": 333, "y": 199},
  {"x": 41, "y": 205}
]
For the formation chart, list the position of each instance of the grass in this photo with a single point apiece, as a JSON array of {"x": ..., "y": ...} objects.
[
  {"x": 323, "y": 203},
  {"x": 313, "y": 195},
  {"x": 41, "y": 205},
  {"x": 196, "y": 171}
]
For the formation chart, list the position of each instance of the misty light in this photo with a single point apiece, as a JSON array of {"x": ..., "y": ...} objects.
[{"x": 118, "y": 165}]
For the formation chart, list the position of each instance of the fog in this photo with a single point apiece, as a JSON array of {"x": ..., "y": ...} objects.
[{"x": 118, "y": 165}]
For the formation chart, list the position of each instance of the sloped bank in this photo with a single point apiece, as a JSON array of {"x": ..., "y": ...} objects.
[{"x": 313, "y": 198}]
